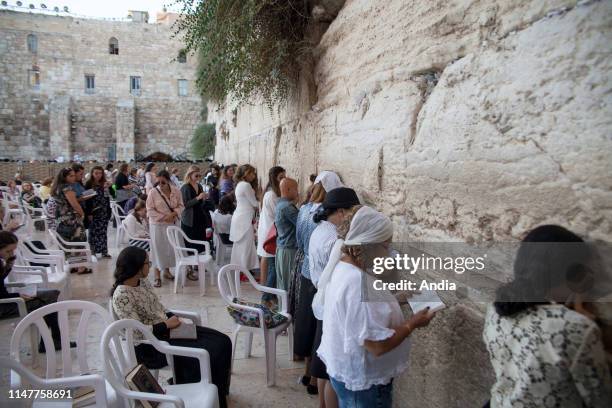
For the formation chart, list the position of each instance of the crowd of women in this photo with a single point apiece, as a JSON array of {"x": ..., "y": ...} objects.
[{"x": 544, "y": 349}]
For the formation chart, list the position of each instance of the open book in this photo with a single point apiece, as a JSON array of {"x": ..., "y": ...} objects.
[
  {"x": 88, "y": 193},
  {"x": 186, "y": 330},
  {"x": 427, "y": 298},
  {"x": 141, "y": 379}
]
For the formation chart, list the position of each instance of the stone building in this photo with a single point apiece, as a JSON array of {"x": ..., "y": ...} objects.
[
  {"x": 97, "y": 88},
  {"x": 469, "y": 121}
]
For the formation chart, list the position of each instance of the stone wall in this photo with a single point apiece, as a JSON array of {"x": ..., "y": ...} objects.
[
  {"x": 70, "y": 48},
  {"x": 468, "y": 121}
]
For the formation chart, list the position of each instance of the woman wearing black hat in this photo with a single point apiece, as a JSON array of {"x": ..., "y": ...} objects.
[{"x": 338, "y": 203}]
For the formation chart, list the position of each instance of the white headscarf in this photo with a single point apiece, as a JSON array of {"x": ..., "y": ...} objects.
[
  {"x": 368, "y": 226},
  {"x": 329, "y": 180}
]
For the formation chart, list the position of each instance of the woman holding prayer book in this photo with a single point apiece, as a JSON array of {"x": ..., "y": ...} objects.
[
  {"x": 364, "y": 343},
  {"x": 134, "y": 298}
]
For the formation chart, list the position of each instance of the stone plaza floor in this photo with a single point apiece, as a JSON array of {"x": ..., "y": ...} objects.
[{"x": 248, "y": 384}]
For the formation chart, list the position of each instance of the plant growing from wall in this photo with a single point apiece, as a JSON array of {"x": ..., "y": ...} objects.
[
  {"x": 245, "y": 48},
  {"x": 203, "y": 141}
]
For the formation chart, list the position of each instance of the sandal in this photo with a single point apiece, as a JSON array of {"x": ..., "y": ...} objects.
[
  {"x": 84, "y": 271},
  {"x": 157, "y": 283},
  {"x": 192, "y": 275},
  {"x": 168, "y": 275}
]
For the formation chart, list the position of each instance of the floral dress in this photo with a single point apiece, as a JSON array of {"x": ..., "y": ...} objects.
[
  {"x": 69, "y": 224},
  {"x": 547, "y": 356},
  {"x": 99, "y": 208}
]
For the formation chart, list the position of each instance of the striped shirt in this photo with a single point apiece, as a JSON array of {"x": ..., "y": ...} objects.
[{"x": 321, "y": 242}]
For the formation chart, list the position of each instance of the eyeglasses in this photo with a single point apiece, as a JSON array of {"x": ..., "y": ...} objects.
[{"x": 198, "y": 176}]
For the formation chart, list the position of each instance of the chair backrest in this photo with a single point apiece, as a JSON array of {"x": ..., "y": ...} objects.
[
  {"x": 229, "y": 281},
  {"x": 118, "y": 213},
  {"x": 176, "y": 238},
  {"x": 87, "y": 310},
  {"x": 111, "y": 309}
]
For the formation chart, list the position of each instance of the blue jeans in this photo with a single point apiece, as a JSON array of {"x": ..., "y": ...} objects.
[
  {"x": 270, "y": 280},
  {"x": 377, "y": 396}
]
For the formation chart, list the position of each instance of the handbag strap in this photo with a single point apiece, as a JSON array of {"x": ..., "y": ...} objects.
[{"x": 164, "y": 198}]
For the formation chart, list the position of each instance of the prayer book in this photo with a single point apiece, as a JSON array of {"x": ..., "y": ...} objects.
[
  {"x": 186, "y": 330},
  {"x": 427, "y": 298},
  {"x": 141, "y": 379}
]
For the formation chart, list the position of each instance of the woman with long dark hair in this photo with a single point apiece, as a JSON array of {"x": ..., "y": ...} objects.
[
  {"x": 68, "y": 212},
  {"x": 150, "y": 172},
  {"x": 133, "y": 298},
  {"x": 98, "y": 211},
  {"x": 226, "y": 183},
  {"x": 242, "y": 233},
  {"x": 543, "y": 352},
  {"x": 266, "y": 220}
]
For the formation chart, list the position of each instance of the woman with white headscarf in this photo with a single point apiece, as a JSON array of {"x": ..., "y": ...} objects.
[
  {"x": 301, "y": 289},
  {"x": 364, "y": 343}
]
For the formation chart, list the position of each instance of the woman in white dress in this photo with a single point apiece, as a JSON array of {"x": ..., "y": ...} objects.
[
  {"x": 150, "y": 177},
  {"x": 266, "y": 219},
  {"x": 241, "y": 230}
]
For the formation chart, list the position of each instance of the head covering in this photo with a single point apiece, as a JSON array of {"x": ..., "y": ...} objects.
[
  {"x": 329, "y": 180},
  {"x": 368, "y": 226},
  {"x": 341, "y": 197}
]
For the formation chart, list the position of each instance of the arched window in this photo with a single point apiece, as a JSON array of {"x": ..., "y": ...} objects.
[
  {"x": 113, "y": 46},
  {"x": 32, "y": 43},
  {"x": 182, "y": 57}
]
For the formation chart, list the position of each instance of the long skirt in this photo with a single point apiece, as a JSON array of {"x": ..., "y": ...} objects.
[
  {"x": 305, "y": 323},
  {"x": 244, "y": 252},
  {"x": 97, "y": 236},
  {"x": 285, "y": 259},
  {"x": 197, "y": 233},
  {"x": 162, "y": 253},
  {"x": 294, "y": 285},
  {"x": 187, "y": 369}
]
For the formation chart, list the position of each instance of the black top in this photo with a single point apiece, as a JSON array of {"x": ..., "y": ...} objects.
[
  {"x": 5, "y": 269},
  {"x": 121, "y": 180}
]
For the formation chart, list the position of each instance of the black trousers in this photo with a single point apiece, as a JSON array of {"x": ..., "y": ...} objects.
[
  {"x": 43, "y": 298},
  {"x": 187, "y": 369}
]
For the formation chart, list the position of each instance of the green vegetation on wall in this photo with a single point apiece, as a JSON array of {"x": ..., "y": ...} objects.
[
  {"x": 203, "y": 141},
  {"x": 245, "y": 48}
]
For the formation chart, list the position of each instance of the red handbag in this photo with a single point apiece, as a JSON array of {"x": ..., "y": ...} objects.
[{"x": 270, "y": 243}]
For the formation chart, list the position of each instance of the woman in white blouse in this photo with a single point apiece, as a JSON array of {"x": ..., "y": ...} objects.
[
  {"x": 364, "y": 343},
  {"x": 150, "y": 177},
  {"x": 266, "y": 220},
  {"x": 242, "y": 233},
  {"x": 545, "y": 353},
  {"x": 137, "y": 225}
]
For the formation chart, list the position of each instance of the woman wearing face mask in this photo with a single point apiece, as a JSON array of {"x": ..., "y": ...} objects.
[
  {"x": 8, "y": 245},
  {"x": 364, "y": 343},
  {"x": 133, "y": 298},
  {"x": 338, "y": 204},
  {"x": 543, "y": 352},
  {"x": 164, "y": 208}
]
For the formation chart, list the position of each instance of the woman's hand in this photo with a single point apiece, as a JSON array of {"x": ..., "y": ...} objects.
[
  {"x": 25, "y": 297},
  {"x": 420, "y": 319},
  {"x": 201, "y": 196},
  {"x": 173, "y": 322}
]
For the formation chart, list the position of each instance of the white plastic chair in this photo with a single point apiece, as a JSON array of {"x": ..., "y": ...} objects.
[
  {"x": 56, "y": 275},
  {"x": 189, "y": 257},
  {"x": 23, "y": 312},
  {"x": 82, "y": 250},
  {"x": 62, "y": 384},
  {"x": 35, "y": 214},
  {"x": 71, "y": 374},
  {"x": 222, "y": 250},
  {"x": 229, "y": 287},
  {"x": 118, "y": 215},
  {"x": 120, "y": 358}
]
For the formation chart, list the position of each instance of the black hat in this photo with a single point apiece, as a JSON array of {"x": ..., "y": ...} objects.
[{"x": 341, "y": 197}]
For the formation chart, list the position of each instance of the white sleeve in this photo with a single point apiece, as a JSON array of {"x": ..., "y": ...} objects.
[
  {"x": 244, "y": 190},
  {"x": 367, "y": 321}
]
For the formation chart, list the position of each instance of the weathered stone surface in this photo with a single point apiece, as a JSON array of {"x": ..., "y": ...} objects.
[
  {"x": 468, "y": 121},
  {"x": 70, "y": 48}
]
